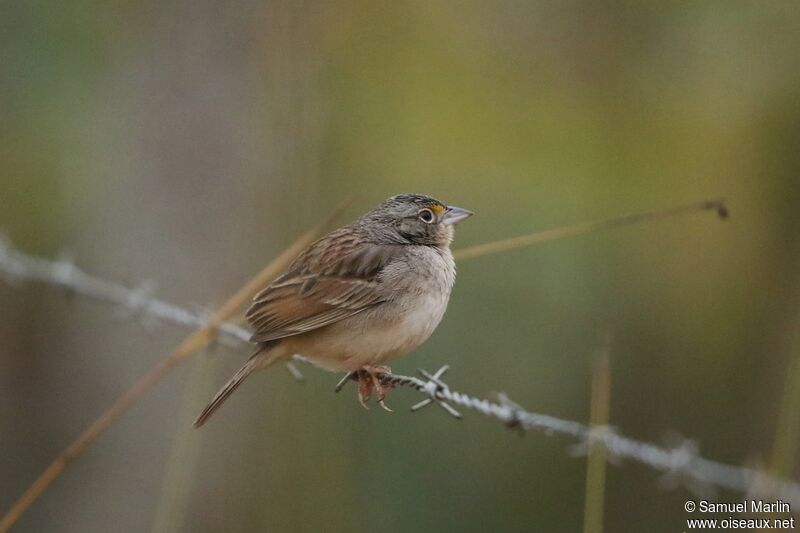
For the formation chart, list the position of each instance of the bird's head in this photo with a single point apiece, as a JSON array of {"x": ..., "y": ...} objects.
[{"x": 415, "y": 219}]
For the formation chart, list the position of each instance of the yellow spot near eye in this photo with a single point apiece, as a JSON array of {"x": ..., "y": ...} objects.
[{"x": 437, "y": 208}]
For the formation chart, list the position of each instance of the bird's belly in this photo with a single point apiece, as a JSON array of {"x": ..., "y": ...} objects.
[{"x": 372, "y": 337}]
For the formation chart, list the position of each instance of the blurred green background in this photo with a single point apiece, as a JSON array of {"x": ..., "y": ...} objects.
[{"x": 189, "y": 142}]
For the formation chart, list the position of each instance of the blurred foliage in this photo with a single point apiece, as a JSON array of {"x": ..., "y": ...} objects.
[{"x": 189, "y": 142}]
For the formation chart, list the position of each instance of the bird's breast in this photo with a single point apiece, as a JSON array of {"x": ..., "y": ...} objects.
[{"x": 418, "y": 291}]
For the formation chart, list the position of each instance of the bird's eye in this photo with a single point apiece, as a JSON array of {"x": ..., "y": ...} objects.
[{"x": 426, "y": 215}]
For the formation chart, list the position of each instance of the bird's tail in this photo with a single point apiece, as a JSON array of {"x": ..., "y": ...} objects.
[{"x": 261, "y": 358}]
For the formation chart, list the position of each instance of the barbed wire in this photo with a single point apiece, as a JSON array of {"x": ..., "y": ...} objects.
[{"x": 681, "y": 464}]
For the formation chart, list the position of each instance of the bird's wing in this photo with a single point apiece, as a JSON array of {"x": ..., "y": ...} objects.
[{"x": 335, "y": 278}]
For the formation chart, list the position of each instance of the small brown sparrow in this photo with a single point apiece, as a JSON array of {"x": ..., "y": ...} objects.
[{"x": 358, "y": 297}]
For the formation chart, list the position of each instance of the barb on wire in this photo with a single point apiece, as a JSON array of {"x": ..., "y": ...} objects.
[
  {"x": 434, "y": 385},
  {"x": 682, "y": 463}
]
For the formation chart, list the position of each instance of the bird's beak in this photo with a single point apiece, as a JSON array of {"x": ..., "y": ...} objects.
[{"x": 454, "y": 215}]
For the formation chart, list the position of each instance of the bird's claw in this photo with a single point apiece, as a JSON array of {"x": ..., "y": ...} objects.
[
  {"x": 364, "y": 391},
  {"x": 369, "y": 382}
]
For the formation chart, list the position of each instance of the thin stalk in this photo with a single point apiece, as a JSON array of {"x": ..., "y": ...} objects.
[
  {"x": 195, "y": 341},
  {"x": 538, "y": 237},
  {"x": 596, "y": 463}
]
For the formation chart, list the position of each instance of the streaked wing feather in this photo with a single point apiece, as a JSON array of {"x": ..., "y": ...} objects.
[{"x": 337, "y": 277}]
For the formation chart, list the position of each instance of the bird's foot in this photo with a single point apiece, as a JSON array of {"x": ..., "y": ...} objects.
[{"x": 369, "y": 382}]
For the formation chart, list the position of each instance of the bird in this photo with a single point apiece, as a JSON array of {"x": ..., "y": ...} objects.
[{"x": 357, "y": 298}]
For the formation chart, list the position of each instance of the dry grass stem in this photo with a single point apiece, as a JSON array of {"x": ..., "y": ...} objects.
[
  {"x": 195, "y": 341},
  {"x": 531, "y": 239},
  {"x": 596, "y": 464}
]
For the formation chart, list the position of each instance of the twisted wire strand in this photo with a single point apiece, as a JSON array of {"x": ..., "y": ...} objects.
[
  {"x": 18, "y": 266},
  {"x": 682, "y": 464}
]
